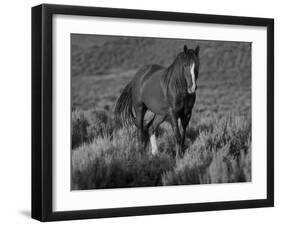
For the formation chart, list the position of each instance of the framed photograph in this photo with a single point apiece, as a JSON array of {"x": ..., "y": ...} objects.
[{"x": 146, "y": 112}]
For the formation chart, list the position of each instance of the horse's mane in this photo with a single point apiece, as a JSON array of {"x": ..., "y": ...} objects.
[{"x": 174, "y": 76}]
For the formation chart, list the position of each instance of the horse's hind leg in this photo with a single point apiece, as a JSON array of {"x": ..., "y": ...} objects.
[
  {"x": 146, "y": 129},
  {"x": 154, "y": 125},
  {"x": 140, "y": 112}
]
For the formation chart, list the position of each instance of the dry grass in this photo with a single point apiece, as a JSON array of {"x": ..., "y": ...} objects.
[{"x": 219, "y": 153}]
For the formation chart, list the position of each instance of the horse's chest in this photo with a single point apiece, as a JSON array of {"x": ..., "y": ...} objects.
[{"x": 185, "y": 103}]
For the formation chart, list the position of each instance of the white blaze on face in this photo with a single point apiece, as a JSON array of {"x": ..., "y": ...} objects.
[
  {"x": 154, "y": 148},
  {"x": 192, "y": 89}
]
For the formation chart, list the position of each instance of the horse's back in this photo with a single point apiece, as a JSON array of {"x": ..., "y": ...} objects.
[
  {"x": 147, "y": 71},
  {"x": 144, "y": 74}
]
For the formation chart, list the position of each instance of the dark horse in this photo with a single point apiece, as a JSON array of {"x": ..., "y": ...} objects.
[{"x": 169, "y": 93}]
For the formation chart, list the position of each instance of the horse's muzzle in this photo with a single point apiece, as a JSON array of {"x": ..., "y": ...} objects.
[{"x": 192, "y": 89}]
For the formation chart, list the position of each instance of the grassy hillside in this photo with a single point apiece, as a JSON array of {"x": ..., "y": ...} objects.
[{"x": 218, "y": 142}]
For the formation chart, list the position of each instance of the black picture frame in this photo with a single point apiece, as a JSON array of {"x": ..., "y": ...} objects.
[{"x": 42, "y": 107}]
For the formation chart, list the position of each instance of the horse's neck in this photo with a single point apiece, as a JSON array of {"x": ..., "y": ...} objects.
[
  {"x": 173, "y": 84},
  {"x": 177, "y": 82}
]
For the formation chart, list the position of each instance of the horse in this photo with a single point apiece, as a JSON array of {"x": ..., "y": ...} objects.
[{"x": 169, "y": 93}]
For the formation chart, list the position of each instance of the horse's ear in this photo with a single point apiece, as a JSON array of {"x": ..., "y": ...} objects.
[
  {"x": 185, "y": 49},
  {"x": 197, "y": 50}
]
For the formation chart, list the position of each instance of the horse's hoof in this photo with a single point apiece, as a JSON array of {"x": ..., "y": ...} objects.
[{"x": 154, "y": 151}]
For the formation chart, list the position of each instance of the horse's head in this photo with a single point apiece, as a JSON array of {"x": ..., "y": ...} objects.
[{"x": 190, "y": 61}]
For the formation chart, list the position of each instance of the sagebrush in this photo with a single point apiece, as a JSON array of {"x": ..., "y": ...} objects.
[{"x": 217, "y": 151}]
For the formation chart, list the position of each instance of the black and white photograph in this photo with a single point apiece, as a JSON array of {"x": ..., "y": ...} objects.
[
  {"x": 144, "y": 112},
  {"x": 120, "y": 112},
  {"x": 151, "y": 111}
]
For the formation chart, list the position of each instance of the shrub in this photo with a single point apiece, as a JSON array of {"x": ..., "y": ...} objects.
[
  {"x": 99, "y": 124},
  {"x": 219, "y": 151},
  {"x": 88, "y": 125},
  {"x": 114, "y": 162},
  {"x": 222, "y": 155},
  {"x": 79, "y": 127}
]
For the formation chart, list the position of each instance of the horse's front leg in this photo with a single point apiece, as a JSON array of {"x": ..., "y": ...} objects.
[
  {"x": 175, "y": 126},
  {"x": 184, "y": 123}
]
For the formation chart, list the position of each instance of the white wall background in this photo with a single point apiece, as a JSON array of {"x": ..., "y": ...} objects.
[{"x": 15, "y": 113}]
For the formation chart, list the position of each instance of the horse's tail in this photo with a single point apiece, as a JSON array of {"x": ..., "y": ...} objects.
[{"x": 123, "y": 108}]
